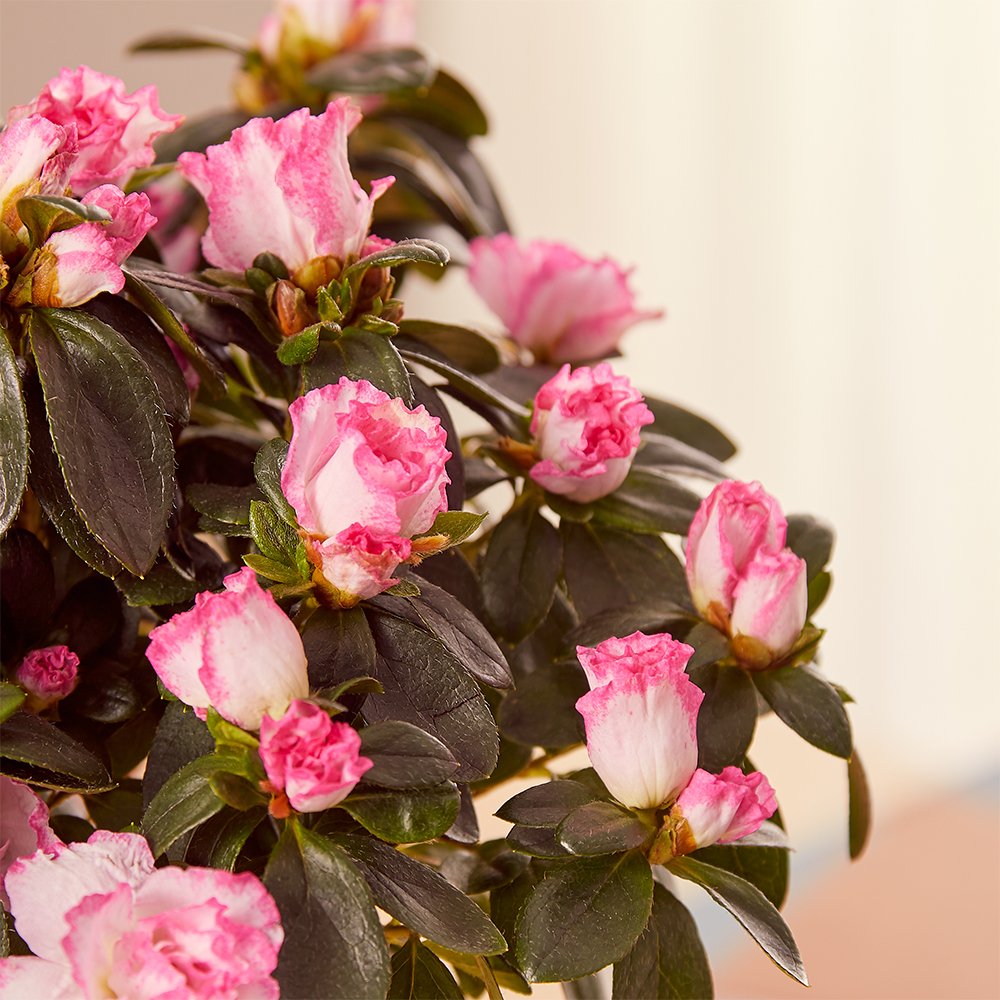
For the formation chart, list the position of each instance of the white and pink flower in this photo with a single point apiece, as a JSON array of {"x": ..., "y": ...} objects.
[
  {"x": 586, "y": 429},
  {"x": 235, "y": 651},
  {"x": 24, "y": 827},
  {"x": 74, "y": 265},
  {"x": 101, "y": 921},
  {"x": 641, "y": 719},
  {"x": 721, "y": 808},
  {"x": 48, "y": 675},
  {"x": 558, "y": 304},
  {"x": 364, "y": 474},
  {"x": 741, "y": 577},
  {"x": 312, "y": 759},
  {"x": 284, "y": 187},
  {"x": 115, "y": 129},
  {"x": 35, "y": 158}
]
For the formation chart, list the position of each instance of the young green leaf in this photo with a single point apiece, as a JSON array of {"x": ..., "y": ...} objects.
[{"x": 267, "y": 471}]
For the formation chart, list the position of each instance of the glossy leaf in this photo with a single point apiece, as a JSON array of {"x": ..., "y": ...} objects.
[
  {"x": 404, "y": 816},
  {"x": 339, "y": 646},
  {"x": 267, "y": 468},
  {"x": 807, "y": 703},
  {"x": 650, "y": 502},
  {"x": 584, "y": 915},
  {"x": 519, "y": 572},
  {"x": 668, "y": 961},
  {"x": 419, "y": 898},
  {"x": 13, "y": 437},
  {"x": 219, "y": 842},
  {"x": 44, "y": 214},
  {"x": 727, "y": 717},
  {"x": 670, "y": 454},
  {"x": 375, "y": 71},
  {"x": 104, "y": 413},
  {"x": 404, "y": 756},
  {"x": 751, "y": 908},
  {"x": 43, "y": 754},
  {"x": 860, "y": 808},
  {"x": 653, "y": 614},
  {"x": 425, "y": 685},
  {"x": 765, "y": 867},
  {"x": 465, "y": 348},
  {"x": 602, "y": 828},
  {"x": 418, "y": 974},
  {"x": 334, "y": 946},
  {"x": 547, "y": 804},
  {"x": 360, "y": 354},
  {"x": 675, "y": 421}
]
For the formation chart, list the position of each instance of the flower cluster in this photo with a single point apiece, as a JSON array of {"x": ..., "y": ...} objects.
[
  {"x": 641, "y": 717},
  {"x": 742, "y": 579}
]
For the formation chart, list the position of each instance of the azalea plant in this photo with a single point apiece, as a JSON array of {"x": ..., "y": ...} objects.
[{"x": 272, "y": 625}]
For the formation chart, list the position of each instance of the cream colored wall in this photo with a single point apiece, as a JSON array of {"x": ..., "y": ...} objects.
[{"x": 811, "y": 190}]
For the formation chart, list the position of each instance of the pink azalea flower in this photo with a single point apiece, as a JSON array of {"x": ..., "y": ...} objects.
[
  {"x": 115, "y": 129},
  {"x": 101, "y": 921},
  {"x": 284, "y": 187},
  {"x": 558, "y": 304},
  {"x": 235, "y": 651},
  {"x": 586, "y": 428},
  {"x": 640, "y": 716},
  {"x": 74, "y": 265},
  {"x": 48, "y": 674},
  {"x": 35, "y": 158},
  {"x": 364, "y": 474},
  {"x": 24, "y": 827},
  {"x": 721, "y": 808},
  {"x": 313, "y": 759}
]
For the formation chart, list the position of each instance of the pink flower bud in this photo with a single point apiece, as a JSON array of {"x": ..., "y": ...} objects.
[
  {"x": 314, "y": 760},
  {"x": 24, "y": 827},
  {"x": 769, "y": 607},
  {"x": 733, "y": 523},
  {"x": 721, "y": 808},
  {"x": 235, "y": 651},
  {"x": 48, "y": 674},
  {"x": 102, "y": 921},
  {"x": 561, "y": 306},
  {"x": 364, "y": 474},
  {"x": 640, "y": 716},
  {"x": 116, "y": 129},
  {"x": 284, "y": 187},
  {"x": 586, "y": 429}
]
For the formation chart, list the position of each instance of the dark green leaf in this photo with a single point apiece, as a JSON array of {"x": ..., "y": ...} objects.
[
  {"x": 656, "y": 614},
  {"x": 751, "y": 908},
  {"x": 463, "y": 347},
  {"x": 181, "y": 737},
  {"x": 13, "y": 437},
  {"x": 547, "y": 804},
  {"x": 425, "y": 685},
  {"x": 361, "y": 685},
  {"x": 44, "y": 214},
  {"x": 27, "y": 584},
  {"x": 418, "y": 974},
  {"x": 727, "y": 717},
  {"x": 339, "y": 646},
  {"x": 50, "y": 757},
  {"x": 418, "y": 897},
  {"x": 271, "y": 534},
  {"x": 185, "y": 801},
  {"x": 447, "y": 103},
  {"x": 810, "y": 539},
  {"x": 360, "y": 354},
  {"x": 602, "y": 828},
  {"x": 819, "y": 587},
  {"x": 860, "y": 809},
  {"x": 458, "y": 630},
  {"x": 520, "y": 571},
  {"x": 267, "y": 468},
  {"x": 606, "y": 568},
  {"x": 542, "y": 710},
  {"x": 118, "y": 808},
  {"x": 201, "y": 38},
  {"x": 223, "y": 503},
  {"x": 218, "y": 842},
  {"x": 334, "y": 946},
  {"x": 584, "y": 915},
  {"x": 403, "y": 252},
  {"x": 764, "y": 867},
  {"x": 671, "y": 455},
  {"x": 404, "y": 756},
  {"x": 649, "y": 501},
  {"x": 375, "y": 71},
  {"x": 161, "y": 585},
  {"x": 104, "y": 413},
  {"x": 404, "y": 816},
  {"x": 675, "y": 421},
  {"x": 668, "y": 960},
  {"x": 806, "y": 703},
  {"x": 536, "y": 841}
]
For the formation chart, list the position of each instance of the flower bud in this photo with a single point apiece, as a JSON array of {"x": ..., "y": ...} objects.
[
  {"x": 733, "y": 523},
  {"x": 48, "y": 675},
  {"x": 586, "y": 428},
  {"x": 770, "y": 604},
  {"x": 314, "y": 760},
  {"x": 235, "y": 651}
]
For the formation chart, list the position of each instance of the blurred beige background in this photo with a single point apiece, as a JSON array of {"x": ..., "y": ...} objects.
[{"x": 812, "y": 190}]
